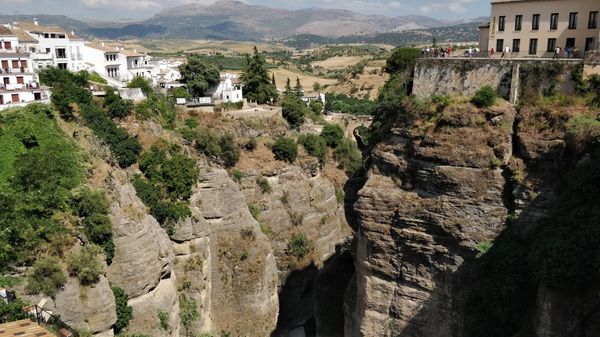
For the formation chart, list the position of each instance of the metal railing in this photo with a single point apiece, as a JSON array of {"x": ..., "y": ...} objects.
[{"x": 51, "y": 321}]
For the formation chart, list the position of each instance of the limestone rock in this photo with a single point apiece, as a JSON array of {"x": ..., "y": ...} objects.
[
  {"x": 428, "y": 200},
  {"x": 142, "y": 248},
  {"x": 88, "y": 308},
  {"x": 146, "y": 308}
]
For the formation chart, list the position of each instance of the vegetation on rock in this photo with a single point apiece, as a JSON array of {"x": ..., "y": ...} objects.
[
  {"x": 199, "y": 76},
  {"x": 124, "y": 311},
  {"x": 285, "y": 149}
]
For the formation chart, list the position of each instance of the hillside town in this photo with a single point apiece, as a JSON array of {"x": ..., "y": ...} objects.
[{"x": 27, "y": 47}]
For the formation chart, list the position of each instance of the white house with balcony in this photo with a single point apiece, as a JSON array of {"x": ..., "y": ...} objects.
[
  {"x": 230, "y": 89},
  {"x": 19, "y": 84},
  {"x": 108, "y": 61},
  {"x": 51, "y": 46}
]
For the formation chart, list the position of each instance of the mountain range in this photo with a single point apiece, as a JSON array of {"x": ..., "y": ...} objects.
[{"x": 236, "y": 20}]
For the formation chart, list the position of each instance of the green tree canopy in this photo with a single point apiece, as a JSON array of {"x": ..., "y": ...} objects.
[
  {"x": 257, "y": 84},
  {"x": 198, "y": 76}
]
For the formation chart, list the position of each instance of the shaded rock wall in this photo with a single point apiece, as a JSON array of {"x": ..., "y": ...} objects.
[{"x": 430, "y": 197}]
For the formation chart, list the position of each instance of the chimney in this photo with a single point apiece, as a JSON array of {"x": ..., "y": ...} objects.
[{"x": 35, "y": 21}]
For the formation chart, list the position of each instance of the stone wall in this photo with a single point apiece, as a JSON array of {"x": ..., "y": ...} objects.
[{"x": 464, "y": 77}]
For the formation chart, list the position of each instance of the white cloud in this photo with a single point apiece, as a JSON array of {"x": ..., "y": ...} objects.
[{"x": 454, "y": 6}]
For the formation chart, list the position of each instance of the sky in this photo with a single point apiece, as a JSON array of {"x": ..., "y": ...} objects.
[{"x": 141, "y": 9}]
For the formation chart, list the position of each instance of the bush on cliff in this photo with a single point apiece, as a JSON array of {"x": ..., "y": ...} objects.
[
  {"x": 124, "y": 311},
  {"x": 485, "y": 97},
  {"x": 285, "y": 149},
  {"x": 85, "y": 265},
  {"x": 46, "y": 277}
]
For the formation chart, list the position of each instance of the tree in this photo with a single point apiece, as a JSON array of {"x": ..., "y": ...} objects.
[
  {"x": 485, "y": 97},
  {"x": 124, "y": 311},
  {"x": 85, "y": 265},
  {"x": 46, "y": 277},
  {"x": 285, "y": 149},
  {"x": 199, "y": 76},
  {"x": 188, "y": 313},
  {"x": 142, "y": 83},
  {"x": 401, "y": 60},
  {"x": 273, "y": 80},
  {"x": 348, "y": 156},
  {"x": 293, "y": 110},
  {"x": 332, "y": 134},
  {"x": 317, "y": 86},
  {"x": 116, "y": 106},
  {"x": 316, "y": 107},
  {"x": 298, "y": 89},
  {"x": 288, "y": 88},
  {"x": 315, "y": 146},
  {"x": 257, "y": 84},
  {"x": 230, "y": 151},
  {"x": 13, "y": 311}
]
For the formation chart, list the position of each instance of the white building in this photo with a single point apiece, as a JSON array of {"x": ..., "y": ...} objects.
[
  {"x": 51, "y": 46},
  {"x": 19, "y": 85},
  {"x": 229, "y": 90}
]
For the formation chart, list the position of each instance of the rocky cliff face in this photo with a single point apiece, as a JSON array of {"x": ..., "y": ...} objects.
[{"x": 431, "y": 196}]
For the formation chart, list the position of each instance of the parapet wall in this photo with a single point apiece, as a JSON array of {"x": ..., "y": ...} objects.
[{"x": 448, "y": 76}]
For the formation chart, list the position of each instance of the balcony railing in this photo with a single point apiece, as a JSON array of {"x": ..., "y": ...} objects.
[
  {"x": 19, "y": 70},
  {"x": 20, "y": 86}
]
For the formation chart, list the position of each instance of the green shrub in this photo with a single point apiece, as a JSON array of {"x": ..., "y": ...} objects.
[
  {"x": 316, "y": 107},
  {"x": 188, "y": 313},
  {"x": 230, "y": 151},
  {"x": 84, "y": 265},
  {"x": 46, "y": 277},
  {"x": 263, "y": 184},
  {"x": 124, "y": 311},
  {"x": 13, "y": 311},
  {"x": 93, "y": 208},
  {"x": 95, "y": 77},
  {"x": 332, "y": 134},
  {"x": 583, "y": 129},
  {"x": 255, "y": 211},
  {"x": 142, "y": 83},
  {"x": 294, "y": 110},
  {"x": 116, "y": 106},
  {"x": 285, "y": 149},
  {"x": 340, "y": 196},
  {"x": 315, "y": 146},
  {"x": 299, "y": 246},
  {"x": 237, "y": 176},
  {"x": 124, "y": 147},
  {"x": 348, "y": 156},
  {"x": 483, "y": 248},
  {"x": 163, "y": 318},
  {"x": 485, "y": 97},
  {"x": 164, "y": 211},
  {"x": 251, "y": 144},
  {"x": 208, "y": 143}
]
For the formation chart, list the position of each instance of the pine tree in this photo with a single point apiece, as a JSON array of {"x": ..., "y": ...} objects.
[
  {"x": 257, "y": 85},
  {"x": 273, "y": 80},
  {"x": 298, "y": 89},
  {"x": 288, "y": 88}
]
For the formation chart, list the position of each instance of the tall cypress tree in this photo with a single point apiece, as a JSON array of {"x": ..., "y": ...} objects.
[
  {"x": 298, "y": 89},
  {"x": 257, "y": 84},
  {"x": 288, "y": 88}
]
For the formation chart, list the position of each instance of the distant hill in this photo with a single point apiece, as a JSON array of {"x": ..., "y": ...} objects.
[
  {"x": 466, "y": 32},
  {"x": 236, "y": 20}
]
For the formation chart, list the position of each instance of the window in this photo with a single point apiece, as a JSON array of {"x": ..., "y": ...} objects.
[
  {"x": 7, "y": 45},
  {"x": 15, "y": 98},
  {"x": 501, "y": 23},
  {"x": 499, "y": 45},
  {"x": 516, "y": 45},
  {"x": 589, "y": 44},
  {"x": 533, "y": 46},
  {"x": 20, "y": 80},
  {"x": 554, "y": 21},
  {"x": 61, "y": 53},
  {"x": 15, "y": 64},
  {"x": 551, "y": 45},
  {"x": 570, "y": 42},
  {"x": 535, "y": 22},
  {"x": 62, "y": 66},
  {"x": 593, "y": 22},
  {"x": 573, "y": 20},
  {"x": 518, "y": 22}
]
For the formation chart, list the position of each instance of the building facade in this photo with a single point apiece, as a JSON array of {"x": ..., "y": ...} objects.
[
  {"x": 19, "y": 85},
  {"x": 538, "y": 28},
  {"x": 229, "y": 90}
]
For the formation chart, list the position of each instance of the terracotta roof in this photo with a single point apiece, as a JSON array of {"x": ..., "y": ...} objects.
[
  {"x": 23, "y": 328},
  {"x": 23, "y": 36},
  {"x": 131, "y": 53},
  {"x": 31, "y": 27},
  {"x": 105, "y": 48},
  {"x": 5, "y": 31}
]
